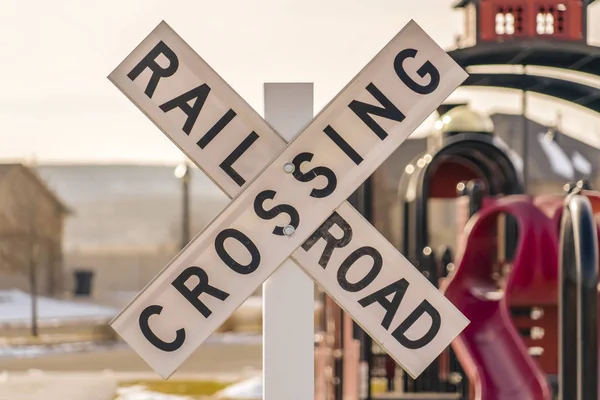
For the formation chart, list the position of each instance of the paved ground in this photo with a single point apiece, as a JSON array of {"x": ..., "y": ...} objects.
[
  {"x": 63, "y": 387},
  {"x": 209, "y": 359},
  {"x": 78, "y": 376}
]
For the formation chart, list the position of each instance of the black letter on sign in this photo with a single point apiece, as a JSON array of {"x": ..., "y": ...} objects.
[
  {"x": 398, "y": 288},
  {"x": 157, "y": 71},
  {"x": 216, "y": 128},
  {"x": 436, "y": 322},
  {"x": 426, "y": 69},
  {"x": 364, "y": 111},
  {"x": 202, "y": 287},
  {"x": 312, "y": 174},
  {"x": 199, "y": 95},
  {"x": 226, "y": 165},
  {"x": 331, "y": 241},
  {"x": 350, "y": 260},
  {"x": 231, "y": 263},
  {"x": 342, "y": 144},
  {"x": 275, "y": 211},
  {"x": 152, "y": 338}
]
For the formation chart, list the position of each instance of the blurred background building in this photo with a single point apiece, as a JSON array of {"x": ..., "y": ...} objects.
[{"x": 32, "y": 220}]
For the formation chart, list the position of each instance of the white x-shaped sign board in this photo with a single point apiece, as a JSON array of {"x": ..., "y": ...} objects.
[{"x": 288, "y": 200}]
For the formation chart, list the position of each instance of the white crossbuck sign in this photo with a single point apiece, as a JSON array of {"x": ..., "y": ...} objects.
[{"x": 288, "y": 201}]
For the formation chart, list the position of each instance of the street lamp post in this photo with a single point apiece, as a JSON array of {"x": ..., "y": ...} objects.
[{"x": 183, "y": 173}]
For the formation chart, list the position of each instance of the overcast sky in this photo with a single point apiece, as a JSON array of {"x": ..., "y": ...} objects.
[{"x": 56, "y": 104}]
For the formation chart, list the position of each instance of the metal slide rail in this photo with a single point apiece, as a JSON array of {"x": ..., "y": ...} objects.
[{"x": 578, "y": 300}]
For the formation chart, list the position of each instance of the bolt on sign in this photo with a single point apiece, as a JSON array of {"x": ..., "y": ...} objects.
[{"x": 288, "y": 200}]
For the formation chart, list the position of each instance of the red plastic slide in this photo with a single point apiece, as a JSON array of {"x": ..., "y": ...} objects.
[{"x": 490, "y": 349}]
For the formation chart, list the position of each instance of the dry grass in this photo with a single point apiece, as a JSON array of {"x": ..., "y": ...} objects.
[{"x": 194, "y": 389}]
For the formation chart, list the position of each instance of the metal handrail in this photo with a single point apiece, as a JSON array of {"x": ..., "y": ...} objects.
[{"x": 578, "y": 300}]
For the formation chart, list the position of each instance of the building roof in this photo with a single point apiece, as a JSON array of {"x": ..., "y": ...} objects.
[
  {"x": 576, "y": 93},
  {"x": 6, "y": 168},
  {"x": 573, "y": 56},
  {"x": 563, "y": 159},
  {"x": 464, "y": 3}
]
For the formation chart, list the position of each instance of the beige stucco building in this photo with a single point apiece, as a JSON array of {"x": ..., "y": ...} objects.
[{"x": 31, "y": 232}]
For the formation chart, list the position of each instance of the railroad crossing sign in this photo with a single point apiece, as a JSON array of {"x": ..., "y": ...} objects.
[{"x": 288, "y": 200}]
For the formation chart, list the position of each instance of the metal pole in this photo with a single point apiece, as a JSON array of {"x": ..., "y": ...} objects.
[
  {"x": 587, "y": 314},
  {"x": 34, "y": 251},
  {"x": 568, "y": 367},
  {"x": 185, "y": 223},
  {"x": 183, "y": 173},
  {"x": 33, "y": 286},
  {"x": 578, "y": 331},
  {"x": 525, "y": 152}
]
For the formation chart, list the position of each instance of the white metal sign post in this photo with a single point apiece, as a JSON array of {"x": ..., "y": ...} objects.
[
  {"x": 288, "y": 294},
  {"x": 289, "y": 200}
]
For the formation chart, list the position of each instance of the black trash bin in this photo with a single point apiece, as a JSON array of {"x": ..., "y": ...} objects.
[{"x": 83, "y": 282}]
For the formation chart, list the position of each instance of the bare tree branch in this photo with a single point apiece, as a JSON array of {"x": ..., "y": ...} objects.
[
  {"x": 25, "y": 231},
  {"x": 25, "y": 234}
]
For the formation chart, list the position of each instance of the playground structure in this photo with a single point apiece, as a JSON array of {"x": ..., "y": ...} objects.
[
  {"x": 524, "y": 268},
  {"x": 525, "y": 274}
]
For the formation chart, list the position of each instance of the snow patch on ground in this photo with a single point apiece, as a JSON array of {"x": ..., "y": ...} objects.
[
  {"x": 31, "y": 351},
  {"x": 66, "y": 348},
  {"x": 139, "y": 392},
  {"x": 249, "y": 389},
  {"x": 15, "y": 309}
]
